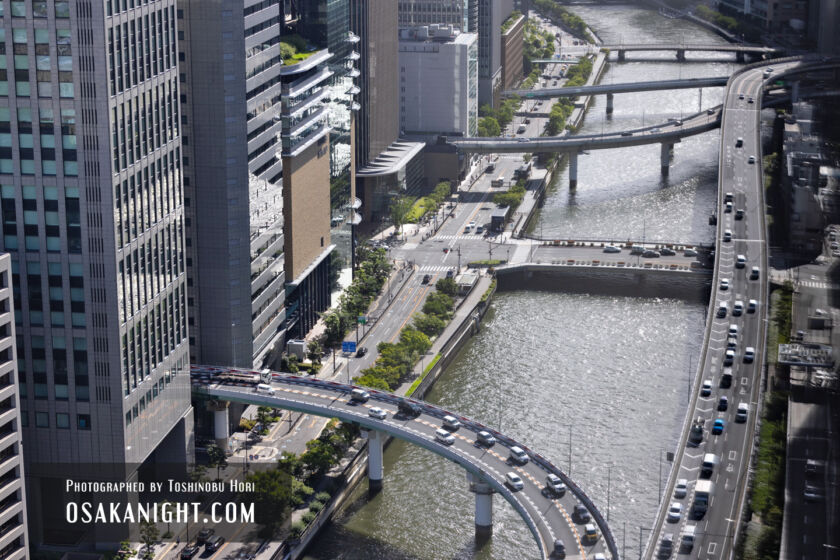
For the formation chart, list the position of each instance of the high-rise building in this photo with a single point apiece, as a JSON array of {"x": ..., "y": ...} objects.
[
  {"x": 491, "y": 14},
  {"x": 439, "y": 76},
  {"x": 93, "y": 219},
  {"x": 233, "y": 179},
  {"x": 385, "y": 167},
  {"x": 513, "y": 47},
  {"x": 13, "y": 537}
]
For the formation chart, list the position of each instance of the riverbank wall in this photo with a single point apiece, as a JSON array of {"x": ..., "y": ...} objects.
[{"x": 625, "y": 281}]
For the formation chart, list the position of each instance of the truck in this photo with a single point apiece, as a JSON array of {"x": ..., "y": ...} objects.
[
  {"x": 498, "y": 183},
  {"x": 703, "y": 490}
]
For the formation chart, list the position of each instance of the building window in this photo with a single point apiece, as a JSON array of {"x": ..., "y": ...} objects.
[
  {"x": 83, "y": 421},
  {"x": 42, "y": 420},
  {"x": 62, "y": 420}
]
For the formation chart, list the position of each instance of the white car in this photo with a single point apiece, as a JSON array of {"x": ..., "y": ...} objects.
[
  {"x": 612, "y": 249},
  {"x": 681, "y": 489},
  {"x": 751, "y": 159},
  {"x": 706, "y": 389},
  {"x": 749, "y": 354},
  {"x": 738, "y": 308},
  {"x": 376, "y": 412},
  {"x": 675, "y": 512},
  {"x": 444, "y": 437},
  {"x": 724, "y": 284},
  {"x": 514, "y": 481},
  {"x": 729, "y": 357},
  {"x": 752, "y": 306}
]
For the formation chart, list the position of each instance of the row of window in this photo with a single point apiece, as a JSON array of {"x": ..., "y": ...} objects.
[
  {"x": 153, "y": 393},
  {"x": 144, "y": 123},
  {"x": 31, "y": 210},
  {"x": 153, "y": 338},
  {"x": 40, "y": 8},
  {"x": 62, "y": 420},
  {"x": 147, "y": 197},
  {"x": 46, "y": 79},
  {"x": 32, "y": 351},
  {"x": 141, "y": 48}
]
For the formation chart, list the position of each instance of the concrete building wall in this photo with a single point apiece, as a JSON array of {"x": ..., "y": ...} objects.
[
  {"x": 438, "y": 86},
  {"x": 491, "y": 14},
  {"x": 306, "y": 202},
  {"x": 513, "y": 46}
]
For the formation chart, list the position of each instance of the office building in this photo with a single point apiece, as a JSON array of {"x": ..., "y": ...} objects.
[
  {"x": 93, "y": 215},
  {"x": 513, "y": 49},
  {"x": 438, "y": 82},
  {"x": 460, "y": 14},
  {"x": 491, "y": 14},
  {"x": 385, "y": 167},
  {"x": 232, "y": 180},
  {"x": 13, "y": 537}
]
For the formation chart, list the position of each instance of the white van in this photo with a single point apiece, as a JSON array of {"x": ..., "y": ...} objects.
[
  {"x": 723, "y": 309},
  {"x": 739, "y": 308},
  {"x": 743, "y": 411},
  {"x": 518, "y": 455},
  {"x": 710, "y": 461},
  {"x": 687, "y": 537},
  {"x": 265, "y": 388}
]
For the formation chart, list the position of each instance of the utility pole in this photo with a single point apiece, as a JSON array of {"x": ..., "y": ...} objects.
[
  {"x": 688, "y": 394},
  {"x": 570, "y": 450},
  {"x": 609, "y": 473},
  {"x": 660, "y": 475},
  {"x": 459, "y": 258}
]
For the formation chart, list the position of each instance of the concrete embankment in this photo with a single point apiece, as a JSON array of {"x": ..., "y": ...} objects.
[{"x": 688, "y": 285}]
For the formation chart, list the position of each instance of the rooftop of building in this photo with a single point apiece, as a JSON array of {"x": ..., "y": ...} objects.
[
  {"x": 435, "y": 34},
  {"x": 391, "y": 160}
]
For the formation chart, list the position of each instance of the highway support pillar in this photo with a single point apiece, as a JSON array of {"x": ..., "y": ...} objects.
[
  {"x": 681, "y": 55},
  {"x": 621, "y": 56},
  {"x": 794, "y": 92},
  {"x": 375, "y": 467},
  {"x": 610, "y": 97},
  {"x": 220, "y": 423},
  {"x": 483, "y": 506},
  {"x": 665, "y": 157},
  {"x": 573, "y": 168}
]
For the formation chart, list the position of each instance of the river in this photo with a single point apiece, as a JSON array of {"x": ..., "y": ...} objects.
[{"x": 609, "y": 374}]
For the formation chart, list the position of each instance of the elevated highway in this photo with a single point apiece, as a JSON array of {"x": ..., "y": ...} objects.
[
  {"x": 741, "y": 51},
  {"x": 687, "y": 83},
  {"x": 547, "y": 517}
]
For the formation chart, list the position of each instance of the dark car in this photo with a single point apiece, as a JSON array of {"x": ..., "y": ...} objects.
[
  {"x": 450, "y": 273},
  {"x": 666, "y": 252},
  {"x": 204, "y": 534},
  {"x": 361, "y": 351},
  {"x": 723, "y": 403},
  {"x": 214, "y": 543},
  {"x": 559, "y": 549},
  {"x": 409, "y": 409},
  {"x": 427, "y": 278},
  {"x": 189, "y": 551},
  {"x": 581, "y": 514}
]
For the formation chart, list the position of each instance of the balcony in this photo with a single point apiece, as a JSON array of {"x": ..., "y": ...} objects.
[{"x": 301, "y": 62}]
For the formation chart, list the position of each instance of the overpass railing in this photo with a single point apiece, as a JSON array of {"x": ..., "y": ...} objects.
[{"x": 438, "y": 412}]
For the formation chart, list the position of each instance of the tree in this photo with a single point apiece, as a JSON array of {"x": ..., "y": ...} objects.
[
  {"x": 488, "y": 126},
  {"x": 287, "y": 51},
  {"x": 290, "y": 463},
  {"x": 415, "y": 341},
  {"x": 400, "y": 207},
  {"x": 264, "y": 418},
  {"x": 368, "y": 380},
  {"x": 148, "y": 536},
  {"x": 314, "y": 351},
  {"x": 319, "y": 456},
  {"x": 438, "y": 304},
  {"x": 335, "y": 329},
  {"x": 216, "y": 458},
  {"x": 272, "y": 498},
  {"x": 447, "y": 286},
  {"x": 430, "y": 325}
]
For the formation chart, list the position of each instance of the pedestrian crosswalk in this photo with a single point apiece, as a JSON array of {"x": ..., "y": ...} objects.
[
  {"x": 814, "y": 284},
  {"x": 439, "y": 268},
  {"x": 460, "y": 237}
]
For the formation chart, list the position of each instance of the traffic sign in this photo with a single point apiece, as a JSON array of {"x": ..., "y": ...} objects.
[
  {"x": 348, "y": 346},
  {"x": 362, "y": 320}
]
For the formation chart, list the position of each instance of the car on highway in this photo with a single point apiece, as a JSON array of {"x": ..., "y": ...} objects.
[
  {"x": 740, "y": 261},
  {"x": 749, "y": 354},
  {"x": 409, "y": 409},
  {"x": 738, "y": 308},
  {"x": 559, "y": 549},
  {"x": 513, "y": 480},
  {"x": 723, "y": 403},
  {"x": 710, "y": 111},
  {"x": 479, "y": 229},
  {"x": 717, "y": 427},
  {"x": 523, "y": 139},
  {"x": 627, "y": 133},
  {"x": 739, "y": 142},
  {"x": 739, "y": 214},
  {"x": 637, "y": 250},
  {"x": 724, "y": 284},
  {"x": 727, "y": 235},
  {"x": 742, "y": 412},
  {"x": 450, "y": 273},
  {"x": 754, "y": 273},
  {"x": 813, "y": 493},
  {"x": 727, "y": 208},
  {"x": 729, "y": 357},
  {"x": 554, "y": 486},
  {"x": 654, "y": 130},
  {"x": 728, "y": 197},
  {"x": 470, "y": 226},
  {"x": 590, "y": 533},
  {"x": 361, "y": 352},
  {"x": 666, "y": 546},
  {"x": 740, "y": 96},
  {"x": 675, "y": 512},
  {"x": 751, "y": 159},
  {"x": 690, "y": 253},
  {"x": 446, "y": 250},
  {"x": 612, "y": 249},
  {"x": 666, "y": 252},
  {"x": 518, "y": 455},
  {"x": 444, "y": 437},
  {"x": 706, "y": 389},
  {"x": 451, "y": 423},
  {"x": 581, "y": 514},
  {"x": 733, "y": 330},
  {"x": 485, "y": 438},
  {"x": 750, "y": 100},
  {"x": 752, "y": 305},
  {"x": 681, "y": 488},
  {"x": 650, "y": 254},
  {"x": 376, "y": 412},
  {"x": 427, "y": 278}
]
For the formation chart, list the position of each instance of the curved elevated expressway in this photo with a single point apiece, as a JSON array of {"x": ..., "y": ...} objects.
[{"x": 547, "y": 518}]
